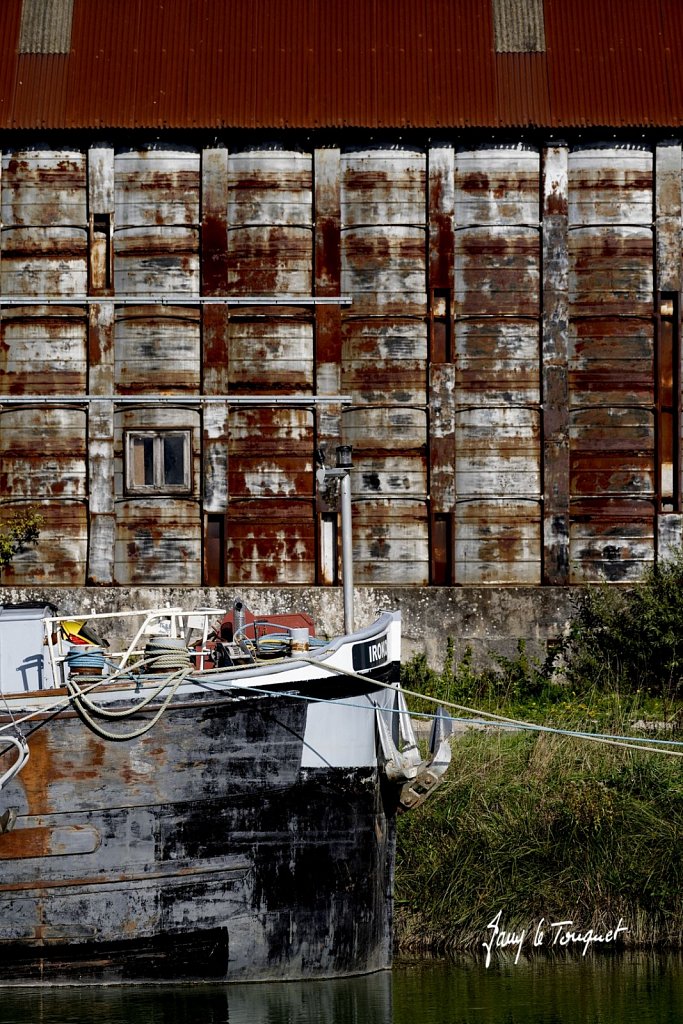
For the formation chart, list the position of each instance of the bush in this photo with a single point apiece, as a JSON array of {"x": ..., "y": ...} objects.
[
  {"x": 21, "y": 529},
  {"x": 630, "y": 640}
]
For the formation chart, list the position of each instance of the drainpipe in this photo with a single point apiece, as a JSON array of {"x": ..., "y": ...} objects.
[{"x": 327, "y": 480}]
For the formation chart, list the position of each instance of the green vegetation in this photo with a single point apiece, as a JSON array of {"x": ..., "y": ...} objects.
[
  {"x": 540, "y": 825},
  {"x": 21, "y": 529}
]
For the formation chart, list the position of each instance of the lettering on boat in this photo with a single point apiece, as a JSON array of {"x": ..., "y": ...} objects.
[{"x": 370, "y": 653}]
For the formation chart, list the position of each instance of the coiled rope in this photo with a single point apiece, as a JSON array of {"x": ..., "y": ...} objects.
[{"x": 162, "y": 654}]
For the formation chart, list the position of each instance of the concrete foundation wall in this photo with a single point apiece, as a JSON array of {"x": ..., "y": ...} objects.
[{"x": 487, "y": 619}]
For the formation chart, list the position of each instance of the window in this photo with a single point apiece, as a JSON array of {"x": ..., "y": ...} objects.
[{"x": 158, "y": 462}]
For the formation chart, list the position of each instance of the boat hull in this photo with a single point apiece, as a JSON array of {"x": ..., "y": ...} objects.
[{"x": 218, "y": 845}]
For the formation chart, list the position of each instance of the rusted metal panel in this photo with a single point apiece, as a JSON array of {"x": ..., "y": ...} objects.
[
  {"x": 610, "y": 185},
  {"x": 497, "y": 359},
  {"x": 497, "y": 271},
  {"x": 612, "y": 451},
  {"x": 270, "y": 355},
  {"x": 497, "y": 462},
  {"x": 43, "y": 187},
  {"x": 497, "y": 452},
  {"x": 610, "y": 237},
  {"x": 215, "y": 425},
  {"x": 389, "y": 446},
  {"x": 43, "y": 350},
  {"x": 385, "y": 360},
  {"x": 442, "y": 393},
  {"x": 59, "y": 557},
  {"x": 158, "y": 541},
  {"x": 391, "y": 542},
  {"x": 555, "y": 372},
  {"x": 44, "y": 236},
  {"x": 271, "y": 452},
  {"x": 384, "y": 267},
  {"x": 441, "y": 174},
  {"x": 497, "y": 185},
  {"x": 328, "y": 319},
  {"x": 156, "y": 238},
  {"x": 157, "y": 186},
  {"x": 669, "y": 534},
  {"x": 157, "y": 349},
  {"x": 611, "y": 362},
  {"x": 270, "y": 236},
  {"x": 611, "y": 270},
  {"x": 311, "y": 65},
  {"x": 271, "y": 541},
  {"x": 497, "y": 378},
  {"x": 43, "y": 452},
  {"x": 383, "y": 230},
  {"x": 611, "y": 540},
  {"x": 498, "y": 540},
  {"x": 102, "y": 518},
  {"x": 668, "y": 216},
  {"x": 271, "y": 523},
  {"x": 214, "y": 211},
  {"x": 101, "y": 194},
  {"x": 497, "y": 244}
]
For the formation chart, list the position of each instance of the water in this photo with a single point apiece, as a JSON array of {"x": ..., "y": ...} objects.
[{"x": 598, "y": 989}]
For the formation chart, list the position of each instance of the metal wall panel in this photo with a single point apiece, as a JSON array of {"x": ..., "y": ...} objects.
[
  {"x": 59, "y": 557},
  {"x": 43, "y": 350},
  {"x": 498, "y": 541},
  {"x": 270, "y": 223},
  {"x": 158, "y": 541},
  {"x": 157, "y": 349},
  {"x": 44, "y": 222},
  {"x": 269, "y": 354},
  {"x": 43, "y": 452},
  {"x": 390, "y": 542},
  {"x": 271, "y": 525},
  {"x": 497, "y": 347},
  {"x": 383, "y": 204},
  {"x": 611, "y": 362},
  {"x": 384, "y": 357},
  {"x": 156, "y": 236}
]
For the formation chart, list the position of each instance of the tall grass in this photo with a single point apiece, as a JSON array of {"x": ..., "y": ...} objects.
[
  {"x": 543, "y": 826},
  {"x": 549, "y": 826}
]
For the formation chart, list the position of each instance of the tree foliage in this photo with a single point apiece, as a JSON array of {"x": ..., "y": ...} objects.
[
  {"x": 626, "y": 640},
  {"x": 19, "y": 531}
]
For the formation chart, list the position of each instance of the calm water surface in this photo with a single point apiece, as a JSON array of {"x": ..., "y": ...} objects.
[{"x": 615, "y": 989}]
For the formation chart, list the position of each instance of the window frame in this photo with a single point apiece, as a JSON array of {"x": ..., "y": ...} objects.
[{"x": 160, "y": 486}]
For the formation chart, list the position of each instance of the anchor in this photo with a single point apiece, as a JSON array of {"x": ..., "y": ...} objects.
[{"x": 417, "y": 777}]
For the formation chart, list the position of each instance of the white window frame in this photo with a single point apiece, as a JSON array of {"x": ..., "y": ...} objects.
[{"x": 160, "y": 485}]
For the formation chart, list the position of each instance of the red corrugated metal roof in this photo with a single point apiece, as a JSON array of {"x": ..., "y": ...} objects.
[{"x": 331, "y": 63}]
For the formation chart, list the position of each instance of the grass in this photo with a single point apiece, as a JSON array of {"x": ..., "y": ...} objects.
[
  {"x": 539, "y": 825},
  {"x": 543, "y": 826}
]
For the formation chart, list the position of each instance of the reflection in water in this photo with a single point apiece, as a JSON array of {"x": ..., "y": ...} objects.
[
  {"x": 364, "y": 1000},
  {"x": 628, "y": 988}
]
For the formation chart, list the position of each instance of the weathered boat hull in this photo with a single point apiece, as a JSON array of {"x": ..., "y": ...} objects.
[{"x": 225, "y": 843}]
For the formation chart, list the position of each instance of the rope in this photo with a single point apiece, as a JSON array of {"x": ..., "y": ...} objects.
[
  {"x": 173, "y": 681},
  {"x": 629, "y": 743},
  {"x": 594, "y": 737}
]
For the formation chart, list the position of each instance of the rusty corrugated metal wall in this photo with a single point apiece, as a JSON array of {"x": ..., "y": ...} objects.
[{"x": 511, "y": 357}]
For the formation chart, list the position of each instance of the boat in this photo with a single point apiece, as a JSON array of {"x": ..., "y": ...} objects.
[{"x": 202, "y": 794}]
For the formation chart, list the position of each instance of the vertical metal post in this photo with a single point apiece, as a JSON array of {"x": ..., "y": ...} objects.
[
  {"x": 336, "y": 485},
  {"x": 347, "y": 551}
]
